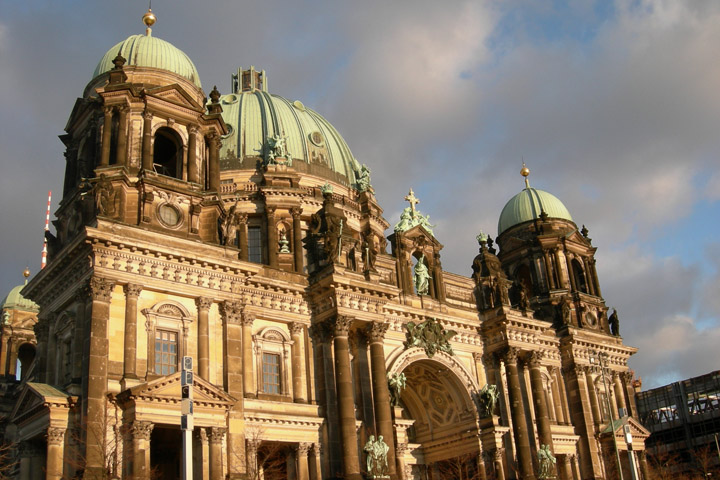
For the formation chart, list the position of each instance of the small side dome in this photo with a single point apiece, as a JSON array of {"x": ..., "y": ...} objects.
[
  {"x": 153, "y": 52},
  {"x": 528, "y": 205},
  {"x": 15, "y": 301}
]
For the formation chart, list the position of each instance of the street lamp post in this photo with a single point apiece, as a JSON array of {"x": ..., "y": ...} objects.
[{"x": 600, "y": 356}]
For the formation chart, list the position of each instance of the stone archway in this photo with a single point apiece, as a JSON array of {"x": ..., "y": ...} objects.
[{"x": 439, "y": 412}]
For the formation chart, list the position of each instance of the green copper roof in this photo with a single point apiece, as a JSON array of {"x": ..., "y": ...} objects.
[
  {"x": 527, "y": 205},
  {"x": 15, "y": 301},
  {"x": 253, "y": 116},
  {"x": 149, "y": 51}
]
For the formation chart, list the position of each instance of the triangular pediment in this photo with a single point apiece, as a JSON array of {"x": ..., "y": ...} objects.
[
  {"x": 168, "y": 389},
  {"x": 176, "y": 95},
  {"x": 419, "y": 235},
  {"x": 636, "y": 429},
  {"x": 38, "y": 398}
]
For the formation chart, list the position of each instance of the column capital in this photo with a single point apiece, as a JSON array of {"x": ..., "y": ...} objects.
[
  {"x": 296, "y": 328},
  {"x": 341, "y": 325},
  {"x": 55, "y": 435},
  {"x": 132, "y": 290},
  {"x": 101, "y": 289},
  {"x": 231, "y": 312},
  {"x": 303, "y": 448},
  {"x": 510, "y": 356},
  {"x": 241, "y": 218},
  {"x": 489, "y": 360},
  {"x": 376, "y": 331},
  {"x": 192, "y": 129},
  {"x": 319, "y": 332},
  {"x": 147, "y": 115},
  {"x": 247, "y": 319},
  {"x": 202, "y": 435},
  {"x": 140, "y": 430},
  {"x": 217, "y": 434},
  {"x": 295, "y": 212},
  {"x": 316, "y": 449},
  {"x": 534, "y": 358},
  {"x": 627, "y": 377},
  {"x": 203, "y": 303}
]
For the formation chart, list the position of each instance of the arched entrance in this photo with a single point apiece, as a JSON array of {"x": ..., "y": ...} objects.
[{"x": 441, "y": 417}]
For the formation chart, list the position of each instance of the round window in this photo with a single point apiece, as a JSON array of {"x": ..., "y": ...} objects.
[{"x": 169, "y": 215}]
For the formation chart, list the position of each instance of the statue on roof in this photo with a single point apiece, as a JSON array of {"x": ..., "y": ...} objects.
[
  {"x": 614, "y": 323},
  {"x": 363, "y": 179},
  {"x": 276, "y": 150},
  {"x": 411, "y": 217},
  {"x": 422, "y": 276}
]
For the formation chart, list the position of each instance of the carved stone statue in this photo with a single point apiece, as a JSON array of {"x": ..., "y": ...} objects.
[
  {"x": 614, "y": 323},
  {"x": 229, "y": 225},
  {"x": 276, "y": 148},
  {"x": 546, "y": 462},
  {"x": 363, "y": 179},
  {"x": 566, "y": 312},
  {"x": 524, "y": 302},
  {"x": 376, "y": 459},
  {"x": 104, "y": 195},
  {"x": 422, "y": 277},
  {"x": 370, "y": 251},
  {"x": 488, "y": 399},
  {"x": 396, "y": 384},
  {"x": 430, "y": 336}
]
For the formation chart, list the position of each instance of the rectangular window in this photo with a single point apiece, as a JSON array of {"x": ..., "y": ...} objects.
[
  {"x": 255, "y": 246},
  {"x": 166, "y": 352},
  {"x": 271, "y": 373}
]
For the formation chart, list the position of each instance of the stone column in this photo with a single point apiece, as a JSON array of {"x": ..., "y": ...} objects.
[
  {"x": 303, "y": 471},
  {"x": 203, "y": 306},
  {"x": 55, "y": 452},
  {"x": 233, "y": 380},
  {"x": 97, "y": 349},
  {"x": 557, "y": 402},
  {"x": 106, "y": 137},
  {"x": 564, "y": 469},
  {"x": 592, "y": 394},
  {"x": 562, "y": 283},
  {"x": 121, "y": 157},
  {"x": 315, "y": 466},
  {"x": 242, "y": 227},
  {"x": 204, "y": 466},
  {"x": 251, "y": 448},
  {"x": 583, "y": 422},
  {"x": 297, "y": 239},
  {"x": 247, "y": 354},
  {"x": 549, "y": 270},
  {"x": 298, "y": 365},
  {"x": 595, "y": 278},
  {"x": 138, "y": 452},
  {"x": 498, "y": 464},
  {"x": 619, "y": 394},
  {"x": 41, "y": 334},
  {"x": 132, "y": 292},
  {"x": 520, "y": 430},
  {"x": 192, "y": 173},
  {"x": 480, "y": 369},
  {"x": 147, "y": 156},
  {"x": 216, "y": 462},
  {"x": 272, "y": 238},
  {"x": 400, "y": 462},
  {"x": 571, "y": 273},
  {"x": 644, "y": 471},
  {"x": 381, "y": 394},
  {"x": 538, "y": 394},
  {"x": 346, "y": 402},
  {"x": 627, "y": 378},
  {"x": 575, "y": 466},
  {"x": 562, "y": 390},
  {"x": 214, "y": 163},
  {"x": 588, "y": 276}
]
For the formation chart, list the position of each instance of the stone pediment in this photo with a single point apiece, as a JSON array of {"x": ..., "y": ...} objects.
[
  {"x": 419, "y": 235},
  {"x": 176, "y": 95},
  {"x": 637, "y": 431},
  {"x": 37, "y": 399},
  {"x": 167, "y": 390},
  {"x": 576, "y": 237}
]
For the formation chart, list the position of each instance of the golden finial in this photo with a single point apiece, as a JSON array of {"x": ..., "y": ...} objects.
[
  {"x": 525, "y": 172},
  {"x": 26, "y": 274},
  {"x": 149, "y": 20}
]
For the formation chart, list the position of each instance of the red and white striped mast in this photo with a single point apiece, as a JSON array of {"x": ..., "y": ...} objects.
[{"x": 47, "y": 228}]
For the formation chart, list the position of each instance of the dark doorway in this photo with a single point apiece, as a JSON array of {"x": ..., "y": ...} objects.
[{"x": 165, "y": 453}]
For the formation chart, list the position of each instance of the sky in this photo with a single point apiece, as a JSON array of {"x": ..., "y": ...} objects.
[{"x": 612, "y": 105}]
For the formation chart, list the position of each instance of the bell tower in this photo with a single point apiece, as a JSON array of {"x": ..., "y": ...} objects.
[{"x": 143, "y": 145}]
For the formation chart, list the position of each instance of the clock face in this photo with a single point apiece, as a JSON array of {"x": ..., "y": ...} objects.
[{"x": 169, "y": 215}]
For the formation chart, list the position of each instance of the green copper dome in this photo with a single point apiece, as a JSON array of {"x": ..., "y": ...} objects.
[
  {"x": 253, "y": 116},
  {"x": 527, "y": 205},
  {"x": 15, "y": 301},
  {"x": 149, "y": 51}
]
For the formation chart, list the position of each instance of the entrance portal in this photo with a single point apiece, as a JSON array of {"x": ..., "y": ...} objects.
[{"x": 165, "y": 453}]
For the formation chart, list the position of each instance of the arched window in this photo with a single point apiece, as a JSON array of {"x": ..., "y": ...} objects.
[
  {"x": 168, "y": 153},
  {"x": 26, "y": 355},
  {"x": 579, "y": 274}
]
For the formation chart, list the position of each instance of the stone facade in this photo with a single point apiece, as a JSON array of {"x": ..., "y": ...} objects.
[{"x": 275, "y": 276}]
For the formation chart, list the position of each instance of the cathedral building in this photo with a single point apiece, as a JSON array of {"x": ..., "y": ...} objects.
[{"x": 239, "y": 230}]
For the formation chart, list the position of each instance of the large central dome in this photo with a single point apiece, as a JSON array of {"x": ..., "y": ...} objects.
[
  {"x": 253, "y": 116},
  {"x": 528, "y": 205}
]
